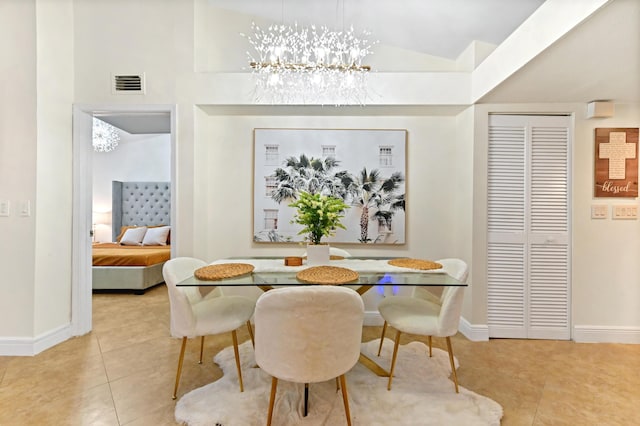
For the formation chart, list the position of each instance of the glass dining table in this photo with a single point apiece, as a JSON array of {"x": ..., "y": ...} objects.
[{"x": 271, "y": 272}]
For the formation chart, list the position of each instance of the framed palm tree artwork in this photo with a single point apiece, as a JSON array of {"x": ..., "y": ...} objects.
[{"x": 366, "y": 168}]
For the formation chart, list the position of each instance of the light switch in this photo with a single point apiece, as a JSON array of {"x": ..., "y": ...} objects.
[
  {"x": 5, "y": 208},
  {"x": 599, "y": 211},
  {"x": 625, "y": 211},
  {"x": 25, "y": 208}
]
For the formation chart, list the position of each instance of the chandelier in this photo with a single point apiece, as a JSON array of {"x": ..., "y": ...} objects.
[
  {"x": 309, "y": 64},
  {"x": 105, "y": 136}
]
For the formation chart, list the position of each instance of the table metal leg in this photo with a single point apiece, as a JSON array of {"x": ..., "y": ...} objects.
[{"x": 371, "y": 365}]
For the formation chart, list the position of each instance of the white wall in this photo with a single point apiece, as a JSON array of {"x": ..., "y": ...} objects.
[
  {"x": 122, "y": 36},
  {"x": 18, "y": 147},
  {"x": 606, "y": 270},
  {"x": 463, "y": 167},
  {"x": 35, "y": 174},
  {"x": 138, "y": 158},
  {"x": 53, "y": 206}
]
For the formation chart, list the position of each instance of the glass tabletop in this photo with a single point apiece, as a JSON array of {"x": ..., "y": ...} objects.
[
  {"x": 287, "y": 276},
  {"x": 382, "y": 278}
]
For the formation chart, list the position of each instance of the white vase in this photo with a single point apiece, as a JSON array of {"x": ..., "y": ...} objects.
[{"x": 317, "y": 254}]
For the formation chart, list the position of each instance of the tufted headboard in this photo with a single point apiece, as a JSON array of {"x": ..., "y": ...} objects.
[{"x": 140, "y": 203}]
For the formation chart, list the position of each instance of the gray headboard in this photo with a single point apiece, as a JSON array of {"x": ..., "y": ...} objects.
[{"x": 139, "y": 203}]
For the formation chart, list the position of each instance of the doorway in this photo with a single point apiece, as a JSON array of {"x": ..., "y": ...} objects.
[{"x": 83, "y": 215}]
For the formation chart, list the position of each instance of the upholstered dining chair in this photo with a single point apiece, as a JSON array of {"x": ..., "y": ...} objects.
[
  {"x": 413, "y": 315},
  {"x": 457, "y": 268},
  {"x": 308, "y": 335},
  {"x": 194, "y": 315},
  {"x": 335, "y": 251}
]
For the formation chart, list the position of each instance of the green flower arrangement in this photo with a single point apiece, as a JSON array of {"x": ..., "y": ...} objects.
[{"x": 319, "y": 214}]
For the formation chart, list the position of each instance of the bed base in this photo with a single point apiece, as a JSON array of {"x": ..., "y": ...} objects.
[{"x": 135, "y": 278}]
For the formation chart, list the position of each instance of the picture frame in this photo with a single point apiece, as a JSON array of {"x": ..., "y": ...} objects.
[
  {"x": 364, "y": 167},
  {"x": 616, "y": 162}
]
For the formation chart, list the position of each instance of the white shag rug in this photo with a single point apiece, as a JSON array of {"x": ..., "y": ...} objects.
[{"x": 421, "y": 394}]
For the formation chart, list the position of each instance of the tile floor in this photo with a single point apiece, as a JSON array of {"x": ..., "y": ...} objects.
[{"x": 122, "y": 373}]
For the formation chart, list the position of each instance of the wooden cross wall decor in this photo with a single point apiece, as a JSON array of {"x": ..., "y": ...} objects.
[{"x": 616, "y": 165}]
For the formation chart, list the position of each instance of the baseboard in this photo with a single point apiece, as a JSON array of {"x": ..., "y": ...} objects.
[
  {"x": 606, "y": 334},
  {"x": 581, "y": 334},
  {"x": 29, "y": 346},
  {"x": 475, "y": 333},
  {"x": 373, "y": 318}
]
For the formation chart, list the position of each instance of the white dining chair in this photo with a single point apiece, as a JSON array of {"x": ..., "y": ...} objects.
[
  {"x": 456, "y": 268},
  {"x": 194, "y": 315},
  {"x": 308, "y": 335},
  {"x": 414, "y": 315},
  {"x": 335, "y": 251}
]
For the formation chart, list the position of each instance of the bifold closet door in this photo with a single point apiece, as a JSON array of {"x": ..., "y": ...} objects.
[{"x": 528, "y": 256}]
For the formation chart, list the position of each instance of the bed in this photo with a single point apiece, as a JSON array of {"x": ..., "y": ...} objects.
[{"x": 141, "y": 222}]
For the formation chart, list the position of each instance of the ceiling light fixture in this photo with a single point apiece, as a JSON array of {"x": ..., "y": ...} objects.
[
  {"x": 105, "y": 136},
  {"x": 309, "y": 64}
]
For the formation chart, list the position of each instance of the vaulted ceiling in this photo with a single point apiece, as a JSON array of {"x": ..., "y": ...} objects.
[
  {"x": 599, "y": 59},
  {"x": 442, "y": 28}
]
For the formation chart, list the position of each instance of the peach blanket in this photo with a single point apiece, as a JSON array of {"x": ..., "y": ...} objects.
[{"x": 113, "y": 254}]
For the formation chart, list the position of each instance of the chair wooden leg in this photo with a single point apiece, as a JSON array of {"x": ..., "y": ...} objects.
[
  {"x": 201, "y": 348},
  {"x": 306, "y": 399},
  {"x": 345, "y": 398},
  {"x": 235, "y": 351},
  {"x": 430, "y": 354},
  {"x": 180, "y": 359},
  {"x": 393, "y": 359},
  {"x": 337, "y": 384},
  {"x": 272, "y": 399},
  {"x": 253, "y": 343},
  {"x": 453, "y": 364},
  {"x": 384, "y": 330}
]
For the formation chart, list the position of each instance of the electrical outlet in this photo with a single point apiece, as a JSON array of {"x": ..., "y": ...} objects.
[{"x": 625, "y": 211}]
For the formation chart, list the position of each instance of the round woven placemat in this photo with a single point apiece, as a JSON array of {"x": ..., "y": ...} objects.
[
  {"x": 222, "y": 271},
  {"x": 406, "y": 262},
  {"x": 327, "y": 275}
]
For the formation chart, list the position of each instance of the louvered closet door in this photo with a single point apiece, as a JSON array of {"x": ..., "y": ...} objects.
[{"x": 528, "y": 227}]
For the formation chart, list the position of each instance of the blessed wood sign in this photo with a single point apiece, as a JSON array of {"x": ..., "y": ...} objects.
[{"x": 616, "y": 168}]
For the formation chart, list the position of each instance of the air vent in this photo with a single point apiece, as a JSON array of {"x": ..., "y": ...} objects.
[{"x": 128, "y": 84}]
